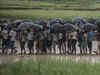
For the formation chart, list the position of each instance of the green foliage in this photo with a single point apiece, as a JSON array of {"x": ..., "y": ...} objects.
[
  {"x": 47, "y": 14},
  {"x": 50, "y": 67}
]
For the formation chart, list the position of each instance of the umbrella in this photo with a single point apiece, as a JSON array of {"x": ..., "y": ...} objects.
[
  {"x": 89, "y": 27},
  {"x": 56, "y": 20},
  {"x": 98, "y": 24},
  {"x": 78, "y": 20},
  {"x": 17, "y": 22},
  {"x": 36, "y": 26},
  {"x": 56, "y": 27},
  {"x": 22, "y": 26},
  {"x": 91, "y": 20},
  {"x": 69, "y": 27}
]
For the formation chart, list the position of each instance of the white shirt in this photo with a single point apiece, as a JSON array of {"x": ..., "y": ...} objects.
[
  {"x": 13, "y": 35},
  {"x": 60, "y": 36},
  {"x": 30, "y": 36},
  {"x": 5, "y": 34}
]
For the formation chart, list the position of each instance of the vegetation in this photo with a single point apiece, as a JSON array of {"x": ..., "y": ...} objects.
[
  {"x": 49, "y": 67},
  {"x": 49, "y": 4},
  {"x": 47, "y": 14}
]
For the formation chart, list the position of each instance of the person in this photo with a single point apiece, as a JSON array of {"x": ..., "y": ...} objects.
[
  {"x": 54, "y": 43},
  {"x": 4, "y": 40},
  {"x": 23, "y": 41},
  {"x": 69, "y": 43},
  {"x": 60, "y": 41},
  {"x": 74, "y": 41},
  {"x": 84, "y": 42},
  {"x": 0, "y": 37},
  {"x": 12, "y": 35},
  {"x": 30, "y": 41},
  {"x": 90, "y": 40},
  {"x": 80, "y": 34}
]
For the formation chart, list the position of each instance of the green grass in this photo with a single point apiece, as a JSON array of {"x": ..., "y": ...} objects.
[
  {"x": 47, "y": 14},
  {"x": 69, "y": 4},
  {"x": 49, "y": 67}
]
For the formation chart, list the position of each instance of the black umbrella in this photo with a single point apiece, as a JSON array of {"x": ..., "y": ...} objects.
[
  {"x": 56, "y": 27},
  {"x": 98, "y": 25},
  {"x": 78, "y": 20},
  {"x": 91, "y": 20},
  {"x": 22, "y": 26},
  {"x": 36, "y": 26},
  {"x": 89, "y": 27},
  {"x": 69, "y": 27}
]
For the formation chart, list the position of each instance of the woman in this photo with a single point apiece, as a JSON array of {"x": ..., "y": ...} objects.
[
  {"x": 12, "y": 35},
  {"x": 30, "y": 41},
  {"x": 84, "y": 43},
  {"x": 23, "y": 41},
  {"x": 74, "y": 41}
]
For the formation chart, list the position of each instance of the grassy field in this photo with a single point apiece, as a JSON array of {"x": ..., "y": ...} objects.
[
  {"x": 49, "y": 67},
  {"x": 47, "y": 14},
  {"x": 61, "y": 4}
]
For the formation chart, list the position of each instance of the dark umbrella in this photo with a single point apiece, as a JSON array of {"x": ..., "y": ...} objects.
[
  {"x": 36, "y": 26},
  {"x": 91, "y": 20},
  {"x": 98, "y": 24},
  {"x": 89, "y": 27},
  {"x": 78, "y": 20},
  {"x": 56, "y": 27},
  {"x": 68, "y": 27},
  {"x": 22, "y": 26}
]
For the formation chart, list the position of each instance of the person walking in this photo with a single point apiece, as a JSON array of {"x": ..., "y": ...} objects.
[
  {"x": 4, "y": 40},
  {"x": 80, "y": 34},
  {"x": 85, "y": 42},
  {"x": 30, "y": 41},
  {"x": 23, "y": 41},
  {"x": 74, "y": 41},
  {"x": 12, "y": 35},
  {"x": 90, "y": 40}
]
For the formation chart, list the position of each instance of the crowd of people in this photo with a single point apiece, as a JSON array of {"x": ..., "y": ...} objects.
[{"x": 44, "y": 40}]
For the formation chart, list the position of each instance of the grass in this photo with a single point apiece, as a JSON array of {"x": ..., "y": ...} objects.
[
  {"x": 69, "y": 4},
  {"x": 47, "y": 14},
  {"x": 49, "y": 67}
]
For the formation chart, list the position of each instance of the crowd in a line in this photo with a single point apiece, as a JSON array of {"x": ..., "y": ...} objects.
[{"x": 44, "y": 41}]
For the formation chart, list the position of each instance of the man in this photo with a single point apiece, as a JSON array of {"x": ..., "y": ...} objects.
[
  {"x": 30, "y": 41},
  {"x": 90, "y": 39},
  {"x": 23, "y": 41},
  {"x": 4, "y": 40},
  {"x": 12, "y": 35},
  {"x": 80, "y": 34},
  {"x": 74, "y": 41}
]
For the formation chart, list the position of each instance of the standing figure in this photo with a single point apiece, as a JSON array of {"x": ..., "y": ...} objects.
[
  {"x": 84, "y": 42},
  {"x": 74, "y": 41},
  {"x": 90, "y": 40},
  {"x": 12, "y": 35},
  {"x": 30, "y": 41},
  {"x": 5, "y": 41},
  {"x": 23, "y": 41},
  {"x": 80, "y": 34}
]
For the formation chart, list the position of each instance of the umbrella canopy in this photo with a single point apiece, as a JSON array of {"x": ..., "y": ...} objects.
[
  {"x": 56, "y": 27},
  {"x": 22, "y": 26},
  {"x": 91, "y": 20},
  {"x": 69, "y": 27},
  {"x": 89, "y": 27},
  {"x": 98, "y": 25},
  {"x": 79, "y": 20},
  {"x": 56, "y": 20},
  {"x": 17, "y": 22},
  {"x": 66, "y": 27},
  {"x": 36, "y": 26}
]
